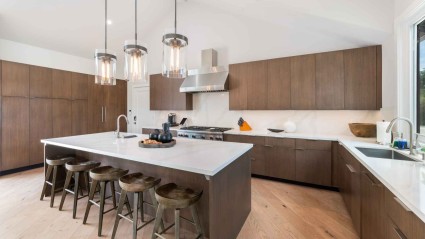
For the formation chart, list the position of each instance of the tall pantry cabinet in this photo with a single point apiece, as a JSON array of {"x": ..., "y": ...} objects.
[{"x": 39, "y": 102}]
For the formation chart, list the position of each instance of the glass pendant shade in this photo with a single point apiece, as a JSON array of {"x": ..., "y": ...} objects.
[
  {"x": 174, "y": 55},
  {"x": 106, "y": 65},
  {"x": 135, "y": 61}
]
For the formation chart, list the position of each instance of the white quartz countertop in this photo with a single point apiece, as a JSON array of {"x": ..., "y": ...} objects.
[
  {"x": 197, "y": 156},
  {"x": 405, "y": 179}
]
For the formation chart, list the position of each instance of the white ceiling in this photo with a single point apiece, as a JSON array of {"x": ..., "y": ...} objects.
[{"x": 76, "y": 26}]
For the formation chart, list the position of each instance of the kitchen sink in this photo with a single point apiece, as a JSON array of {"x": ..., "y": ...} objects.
[{"x": 384, "y": 153}]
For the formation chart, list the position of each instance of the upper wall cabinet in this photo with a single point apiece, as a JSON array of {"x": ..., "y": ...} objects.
[
  {"x": 15, "y": 79},
  {"x": 330, "y": 81},
  {"x": 79, "y": 86},
  {"x": 165, "y": 94},
  {"x": 303, "y": 82},
  {"x": 361, "y": 78},
  {"x": 40, "y": 82},
  {"x": 340, "y": 80}
]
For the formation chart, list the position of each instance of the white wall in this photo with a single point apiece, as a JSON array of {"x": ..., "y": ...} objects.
[
  {"x": 22, "y": 53},
  {"x": 239, "y": 38}
]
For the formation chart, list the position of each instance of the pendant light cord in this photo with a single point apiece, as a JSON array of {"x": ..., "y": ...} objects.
[
  {"x": 135, "y": 20},
  {"x": 175, "y": 16},
  {"x": 106, "y": 24}
]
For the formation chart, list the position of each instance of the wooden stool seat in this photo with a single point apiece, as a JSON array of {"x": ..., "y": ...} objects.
[
  {"x": 173, "y": 196},
  {"x": 137, "y": 182},
  {"x": 107, "y": 173},
  {"x": 79, "y": 165},
  {"x": 59, "y": 160}
]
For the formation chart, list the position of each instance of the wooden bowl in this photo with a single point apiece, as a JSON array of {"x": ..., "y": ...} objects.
[{"x": 364, "y": 130}]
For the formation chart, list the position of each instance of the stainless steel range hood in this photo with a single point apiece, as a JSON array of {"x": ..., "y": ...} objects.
[{"x": 208, "y": 78}]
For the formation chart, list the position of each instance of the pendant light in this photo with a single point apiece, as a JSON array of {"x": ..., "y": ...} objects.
[
  {"x": 174, "y": 52},
  {"x": 105, "y": 61},
  {"x": 135, "y": 56}
]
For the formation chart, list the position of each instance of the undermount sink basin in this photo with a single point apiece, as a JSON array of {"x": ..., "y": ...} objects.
[{"x": 384, "y": 153}]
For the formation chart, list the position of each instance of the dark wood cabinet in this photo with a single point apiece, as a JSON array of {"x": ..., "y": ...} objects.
[
  {"x": 238, "y": 87},
  {"x": 303, "y": 82},
  {"x": 339, "y": 80},
  {"x": 330, "y": 81},
  {"x": 15, "y": 79},
  {"x": 40, "y": 128},
  {"x": 105, "y": 104},
  {"x": 350, "y": 188},
  {"x": 79, "y": 117},
  {"x": 361, "y": 77},
  {"x": 279, "y": 84},
  {"x": 61, "y": 84},
  {"x": 280, "y": 158},
  {"x": 15, "y": 132},
  {"x": 373, "y": 216},
  {"x": 79, "y": 85},
  {"x": 165, "y": 94},
  {"x": 40, "y": 82},
  {"x": 61, "y": 118}
]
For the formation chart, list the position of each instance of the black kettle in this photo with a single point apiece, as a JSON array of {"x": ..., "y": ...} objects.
[{"x": 165, "y": 136}]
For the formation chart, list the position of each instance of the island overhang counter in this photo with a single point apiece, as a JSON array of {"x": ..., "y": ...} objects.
[{"x": 222, "y": 170}]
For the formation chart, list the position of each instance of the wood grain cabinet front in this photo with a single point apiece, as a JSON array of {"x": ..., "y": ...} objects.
[
  {"x": 41, "y": 124},
  {"x": 15, "y": 79},
  {"x": 280, "y": 158},
  {"x": 40, "y": 82},
  {"x": 165, "y": 94}
]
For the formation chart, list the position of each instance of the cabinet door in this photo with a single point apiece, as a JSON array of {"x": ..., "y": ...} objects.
[
  {"x": 15, "y": 132},
  {"x": 160, "y": 92},
  {"x": 61, "y": 84},
  {"x": 95, "y": 107},
  {"x": 303, "y": 82},
  {"x": 255, "y": 75},
  {"x": 40, "y": 82},
  {"x": 40, "y": 128},
  {"x": 330, "y": 81},
  {"x": 280, "y": 162},
  {"x": 62, "y": 117},
  {"x": 360, "y": 76},
  {"x": 179, "y": 101},
  {"x": 258, "y": 160},
  {"x": 372, "y": 207},
  {"x": 79, "y": 117},
  {"x": 238, "y": 87},
  {"x": 15, "y": 79},
  {"x": 314, "y": 166},
  {"x": 122, "y": 103},
  {"x": 355, "y": 192},
  {"x": 110, "y": 94},
  {"x": 79, "y": 86},
  {"x": 279, "y": 84},
  {"x": 345, "y": 185}
]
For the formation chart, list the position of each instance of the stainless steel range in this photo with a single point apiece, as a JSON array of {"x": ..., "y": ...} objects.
[{"x": 202, "y": 132}]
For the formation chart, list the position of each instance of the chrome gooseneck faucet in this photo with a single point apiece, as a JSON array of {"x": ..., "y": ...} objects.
[
  {"x": 412, "y": 152},
  {"x": 118, "y": 124}
]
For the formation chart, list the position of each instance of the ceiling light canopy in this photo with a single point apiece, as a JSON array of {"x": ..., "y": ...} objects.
[
  {"x": 105, "y": 61},
  {"x": 174, "y": 52},
  {"x": 135, "y": 56}
]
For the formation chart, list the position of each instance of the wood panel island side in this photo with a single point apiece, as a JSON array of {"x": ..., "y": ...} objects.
[{"x": 222, "y": 170}]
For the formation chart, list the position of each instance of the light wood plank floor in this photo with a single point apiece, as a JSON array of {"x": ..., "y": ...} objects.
[{"x": 279, "y": 210}]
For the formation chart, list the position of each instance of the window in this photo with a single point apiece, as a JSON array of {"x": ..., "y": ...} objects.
[{"x": 420, "y": 85}]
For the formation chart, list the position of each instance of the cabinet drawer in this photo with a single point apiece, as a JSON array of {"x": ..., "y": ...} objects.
[
  {"x": 280, "y": 142},
  {"x": 313, "y": 166},
  {"x": 257, "y": 140},
  {"x": 313, "y": 144},
  {"x": 258, "y": 160},
  {"x": 399, "y": 214}
]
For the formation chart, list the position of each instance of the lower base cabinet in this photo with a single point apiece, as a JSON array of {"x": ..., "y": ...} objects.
[{"x": 280, "y": 162}]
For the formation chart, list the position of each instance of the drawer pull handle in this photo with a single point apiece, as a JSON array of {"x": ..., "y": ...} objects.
[
  {"x": 402, "y": 204},
  {"x": 269, "y": 146},
  {"x": 399, "y": 233},
  {"x": 351, "y": 168},
  {"x": 371, "y": 181},
  {"x": 252, "y": 159}
]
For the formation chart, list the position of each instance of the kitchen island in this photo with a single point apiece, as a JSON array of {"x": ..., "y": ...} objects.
[{"x": 220, "y": 169}]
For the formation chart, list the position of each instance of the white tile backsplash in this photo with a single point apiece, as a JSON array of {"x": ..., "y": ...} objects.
[{"x": 212, "y": 109}]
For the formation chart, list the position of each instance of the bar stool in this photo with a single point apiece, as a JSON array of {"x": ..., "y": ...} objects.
[
  {"x": 74, "y": 168},
  {"x": 102, "y": 176},
  {"x": 172, "y": 196},
  {"x": 53, "y": 164},
  {"x": 136, "y": 183}
]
